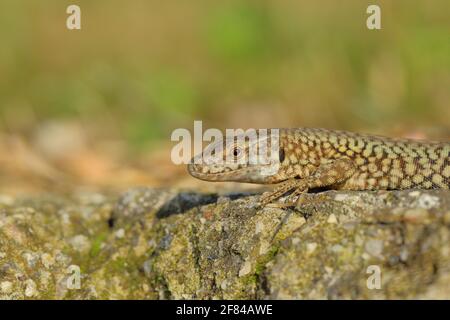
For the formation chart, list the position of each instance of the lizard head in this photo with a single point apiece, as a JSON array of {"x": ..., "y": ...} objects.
[{"x": 241, "y": 158}]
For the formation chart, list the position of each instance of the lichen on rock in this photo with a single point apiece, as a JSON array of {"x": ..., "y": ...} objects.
[{"x": 165, "y": 244}]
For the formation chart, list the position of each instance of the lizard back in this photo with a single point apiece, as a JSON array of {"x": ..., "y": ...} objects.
[{"x": 380, "y": 162}]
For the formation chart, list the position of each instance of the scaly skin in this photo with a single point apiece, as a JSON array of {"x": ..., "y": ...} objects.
[{"x": 319, "y": 158}]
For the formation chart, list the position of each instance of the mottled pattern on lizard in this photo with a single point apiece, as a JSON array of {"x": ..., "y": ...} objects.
[{"x": 318, "y": 158}]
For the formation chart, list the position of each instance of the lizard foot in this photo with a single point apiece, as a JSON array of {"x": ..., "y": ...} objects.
[
  {"x": 297, "y": 198},
  {"x": 282, "y": 188},
  {"x": 281, "y": 205}
]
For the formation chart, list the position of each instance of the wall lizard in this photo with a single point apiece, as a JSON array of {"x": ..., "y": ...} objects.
[{"x": 318, "y": 158}]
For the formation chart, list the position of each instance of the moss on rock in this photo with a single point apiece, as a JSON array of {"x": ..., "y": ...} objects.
[{"x": 162, "y": 244}]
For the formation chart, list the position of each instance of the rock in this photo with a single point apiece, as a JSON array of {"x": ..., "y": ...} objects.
[
  {"x": 80, "y": 243},
  {"x": 6, "y": 286},
  {"x": 162, "y": 244},
  {"x": 30, "y": 289}
]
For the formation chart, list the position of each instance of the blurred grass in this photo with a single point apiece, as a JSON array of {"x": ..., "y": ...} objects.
[{"x": 139, "y": 69}]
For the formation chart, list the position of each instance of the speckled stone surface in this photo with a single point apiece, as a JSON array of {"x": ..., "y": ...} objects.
[{"x": 163, "y": 244}]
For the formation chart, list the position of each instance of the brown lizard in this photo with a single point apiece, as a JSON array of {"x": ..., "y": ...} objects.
[{"x": 318, "y": 158}]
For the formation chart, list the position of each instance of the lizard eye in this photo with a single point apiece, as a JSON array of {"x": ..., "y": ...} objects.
[{"x": 236, "y": 152}]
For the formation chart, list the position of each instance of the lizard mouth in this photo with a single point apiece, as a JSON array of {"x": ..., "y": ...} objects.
[
  {"x": 246, "y": 174},
  {"x": 197, "y": 172}
]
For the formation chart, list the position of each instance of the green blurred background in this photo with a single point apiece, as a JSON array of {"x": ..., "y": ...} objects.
[{"x": 139, "y": 69}]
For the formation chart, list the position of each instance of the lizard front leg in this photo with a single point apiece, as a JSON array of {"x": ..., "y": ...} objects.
[
  {"x": 281, "y": 189},
  {"x": 329, "y": 174}
]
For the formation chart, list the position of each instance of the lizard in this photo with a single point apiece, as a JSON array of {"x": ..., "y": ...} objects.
[{"x": 312, "y": 158}]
